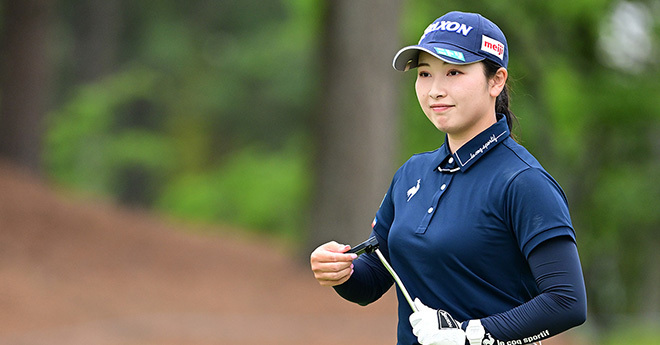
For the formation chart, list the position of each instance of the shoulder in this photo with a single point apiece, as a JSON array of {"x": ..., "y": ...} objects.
[
  {"x": 512, "y": 168},
  {"x": 423, "y": 157},
  {"x": 511, "y": 159},
  {"x": 519, "y": 154},
  {"x": 528, "y": 170},
  {"x": 424, "y": 161}
]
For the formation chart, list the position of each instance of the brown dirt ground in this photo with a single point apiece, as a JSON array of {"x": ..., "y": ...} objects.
[{"x": 89, "y": 272}]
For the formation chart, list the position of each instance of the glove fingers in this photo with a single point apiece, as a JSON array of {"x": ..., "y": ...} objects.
[
  {"x": 426, "y": 336},
  {"x": 414, "y": 319},
  {"x": 421, "y": 306},
  {"x": 442, "y": 337}
]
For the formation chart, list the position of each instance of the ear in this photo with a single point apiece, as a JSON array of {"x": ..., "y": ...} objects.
[{"x": 498, "y": 82}]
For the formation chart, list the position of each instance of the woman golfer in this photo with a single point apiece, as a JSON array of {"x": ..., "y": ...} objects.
[{"x": 478, "y": 232}]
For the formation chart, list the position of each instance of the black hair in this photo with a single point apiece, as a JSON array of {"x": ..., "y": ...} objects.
[{"x": 502, "y": 101}]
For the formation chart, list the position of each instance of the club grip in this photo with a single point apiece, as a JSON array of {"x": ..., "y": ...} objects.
[{"x": 365, "y": 247}]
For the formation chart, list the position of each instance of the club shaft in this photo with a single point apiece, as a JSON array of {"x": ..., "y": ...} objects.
[{"x": 396, "y": 279}]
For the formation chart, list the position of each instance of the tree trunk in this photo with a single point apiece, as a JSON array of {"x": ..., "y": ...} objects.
[
  {"x": 25, "y": 80},
  {"x": 97, "y": 28},
  {"x": 356, "y": 119}
]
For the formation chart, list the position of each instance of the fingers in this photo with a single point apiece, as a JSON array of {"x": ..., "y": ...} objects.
[
  {"x": 331, "y": 265},
  {"x": 420, "y": 306},
  {"x": 334, "y": 278}
]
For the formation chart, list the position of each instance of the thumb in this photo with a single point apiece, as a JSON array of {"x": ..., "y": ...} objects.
[
  {"x": 416, "y": 316},
  {"x": 336, "y": 247},
  {"x": 419, "y": 305}
]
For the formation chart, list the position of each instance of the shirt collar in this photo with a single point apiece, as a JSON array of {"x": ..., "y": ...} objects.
[{"x": 474, "y": 149}]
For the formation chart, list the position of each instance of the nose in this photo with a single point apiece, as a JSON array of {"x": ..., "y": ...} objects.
[{"x": 437, "y": 89}]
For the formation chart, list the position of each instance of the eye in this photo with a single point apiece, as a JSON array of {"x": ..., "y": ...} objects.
[
  {"x": 454, "y": 72},
  {"x": 423, "y": 74}
]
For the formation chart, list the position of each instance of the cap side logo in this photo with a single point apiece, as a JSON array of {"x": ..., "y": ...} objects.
[
  {"x": 492, "y": 46},
  {"x": 450, "y": 53}
]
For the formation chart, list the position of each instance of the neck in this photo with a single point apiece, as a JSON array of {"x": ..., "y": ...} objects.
[{"x": 457, "y": 140}]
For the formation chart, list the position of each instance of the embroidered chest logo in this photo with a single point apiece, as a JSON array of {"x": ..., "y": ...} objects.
[{"x": 412, "y": 191}]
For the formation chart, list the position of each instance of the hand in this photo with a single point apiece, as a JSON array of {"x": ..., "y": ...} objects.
[
  {"x": 435, "y": 327},
  {"x": 330, "y": 264}
]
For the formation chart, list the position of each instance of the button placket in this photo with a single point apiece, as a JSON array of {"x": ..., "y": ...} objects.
[{"x": 426, "y": 220}]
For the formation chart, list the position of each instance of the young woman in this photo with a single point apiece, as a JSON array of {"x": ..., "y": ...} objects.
[{"x": 479, "y": 233}]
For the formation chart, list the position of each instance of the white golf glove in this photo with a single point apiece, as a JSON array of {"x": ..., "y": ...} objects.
[{"x": 435, "y": 327}]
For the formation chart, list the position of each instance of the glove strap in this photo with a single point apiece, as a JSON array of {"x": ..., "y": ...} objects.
[
  {"x": 475, "y": 332},
  {"x": 445, "y": 320}
]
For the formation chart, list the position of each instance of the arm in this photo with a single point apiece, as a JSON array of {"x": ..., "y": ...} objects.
[
  {"x": 370, "y": 280},
  {"x": 561, "y": 305},
  {"x": 362, "y": 280}
]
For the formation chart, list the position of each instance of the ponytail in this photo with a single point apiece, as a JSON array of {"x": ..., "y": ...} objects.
[{"x": 502, "y": 101}]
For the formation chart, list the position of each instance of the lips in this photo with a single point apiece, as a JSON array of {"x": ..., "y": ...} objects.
[{"x": 438, "y": 108}]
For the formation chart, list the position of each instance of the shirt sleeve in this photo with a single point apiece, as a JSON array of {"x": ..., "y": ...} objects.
[
  {"x": 536, "y": 209},
  {"x": 561, "y": 305}
]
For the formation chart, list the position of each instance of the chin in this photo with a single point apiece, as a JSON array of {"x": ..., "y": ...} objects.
[{"x": 441, "y": 128}]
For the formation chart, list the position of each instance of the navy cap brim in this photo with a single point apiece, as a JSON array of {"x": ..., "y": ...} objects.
[{"x": 406, "y": 58}]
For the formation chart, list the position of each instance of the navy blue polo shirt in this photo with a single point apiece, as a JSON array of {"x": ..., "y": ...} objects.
[{"x": 458, "y": 228}]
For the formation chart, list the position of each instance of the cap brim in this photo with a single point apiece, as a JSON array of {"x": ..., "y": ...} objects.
[{"x": 406, "y": 58}]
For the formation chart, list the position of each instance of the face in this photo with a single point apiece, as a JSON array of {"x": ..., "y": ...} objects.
[{"x": 458, "y": 99}]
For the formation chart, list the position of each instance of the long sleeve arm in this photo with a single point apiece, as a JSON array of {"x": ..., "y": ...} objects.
[
  {"x": 370, "y": 280},
  {"x": 561, "y": 305}
]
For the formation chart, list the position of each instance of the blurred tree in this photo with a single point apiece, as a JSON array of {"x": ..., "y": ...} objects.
[
  {"x": 355, "y": 118},
  {"x": 26, "y": 76},
  {"x": 200, "y": 113},
  {"x": 97, "y": 28}
]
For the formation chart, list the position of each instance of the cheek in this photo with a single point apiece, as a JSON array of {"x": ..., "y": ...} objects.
[
  {"x": 421, "y": 90},
  {"x": 476, "y": 92}
]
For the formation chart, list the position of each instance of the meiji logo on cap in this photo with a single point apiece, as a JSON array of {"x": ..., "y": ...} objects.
[{"x": 492, "y": 46}]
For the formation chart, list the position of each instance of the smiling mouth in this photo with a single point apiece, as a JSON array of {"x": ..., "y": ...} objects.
[{"x": 440, "y": 107}]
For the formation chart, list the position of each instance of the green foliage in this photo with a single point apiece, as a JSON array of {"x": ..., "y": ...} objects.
[
  {"x": 570, "y": 119},
  {"x": 640, "y": 333},
  {"x": 85, "y": 147},
  {"x": 203, "y": 116},
  {"x": 253, "y": 188}
]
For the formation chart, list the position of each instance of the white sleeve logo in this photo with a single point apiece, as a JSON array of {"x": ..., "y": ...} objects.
[{"x": 492, "y": 46}]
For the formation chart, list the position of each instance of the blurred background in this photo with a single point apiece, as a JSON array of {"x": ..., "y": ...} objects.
[{"x": 156, "y": 137}]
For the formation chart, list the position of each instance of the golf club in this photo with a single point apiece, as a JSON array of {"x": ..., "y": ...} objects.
[{"x": 371, "y": 245}]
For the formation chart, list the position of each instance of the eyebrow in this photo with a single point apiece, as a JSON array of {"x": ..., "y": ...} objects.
[{"x": 421, "y": 64}]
